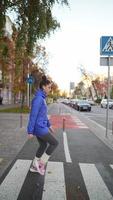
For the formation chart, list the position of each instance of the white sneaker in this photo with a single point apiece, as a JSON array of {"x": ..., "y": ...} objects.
[
  {"x": 42, "y": 167},
  {"x": 33, "y": 169},
  {"x": 39, "y": 167}
]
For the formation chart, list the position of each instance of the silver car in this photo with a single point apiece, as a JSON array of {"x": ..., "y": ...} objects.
[{"x": 103, "y": 103}]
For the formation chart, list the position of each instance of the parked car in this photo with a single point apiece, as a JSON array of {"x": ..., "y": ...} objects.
[
  {"x": 83, "y": 105},
  {"x": 91, "y": 102},
  {"x": 103, "y": 103},
  {"x": 73, "y": 102}
]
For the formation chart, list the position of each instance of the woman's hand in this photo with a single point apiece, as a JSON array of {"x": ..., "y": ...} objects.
[
  {"x": 30, "y": 136},
  {"x": 51, "y": 129}
]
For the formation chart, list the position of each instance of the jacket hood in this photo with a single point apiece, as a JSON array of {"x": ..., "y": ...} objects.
[{"x": 41, "y": 92}]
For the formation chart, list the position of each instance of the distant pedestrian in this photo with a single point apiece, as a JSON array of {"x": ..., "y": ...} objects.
[{"x": 40, "y": 127}]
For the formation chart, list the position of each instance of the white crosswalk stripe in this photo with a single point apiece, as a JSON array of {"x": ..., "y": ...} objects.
[
  {"x": 13, "y": 182},
  {"x": 111, "y": 166},
  {"x": 79, "y": 123},
  {"x": 94, "y": 183},
  {"x": 66, "y": 148},
  {"x": 54, "y": 187},
  {"x": 54, "y": 182}
]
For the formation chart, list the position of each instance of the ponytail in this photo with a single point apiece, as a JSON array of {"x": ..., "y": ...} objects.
[{"x": 44, "y": 82}]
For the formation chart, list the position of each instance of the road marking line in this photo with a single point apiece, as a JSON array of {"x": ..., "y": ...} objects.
[
  {"x": 66, "y": 148},
  {"x": 111, "y": 166},
  {"x": 79, "y": 123},
  {"x": 94, "y": 183},
  {"x": 83, "y": 127},
  {"x": 54, "y": 186},
  {"x": 13, "y": 182},
  {"x": 1, "y": 159},
  {"x": 95, "y": 123}
]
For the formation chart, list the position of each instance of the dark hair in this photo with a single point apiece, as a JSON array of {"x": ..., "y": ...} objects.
[{"x": 45, "y": 81}]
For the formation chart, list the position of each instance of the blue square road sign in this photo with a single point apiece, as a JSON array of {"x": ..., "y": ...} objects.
[{"x": 106, "y": 45}]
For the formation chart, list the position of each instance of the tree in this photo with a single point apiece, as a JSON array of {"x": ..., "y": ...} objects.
[
  {"x": 64, "y": 94},
  {"x": 94, "y": 84},
  {"x": 81, "y": 86},
  {"x": 6, "y": 59},
  {"x": 100, "y": 87},
  {"x": 55, "y": 92},
  {"x": 34, "y": 19},
  {"x": 88, "y": 79},
  {"x": 77, "y": 91},
  {"x": 111, "y": 93},
  {"x": 24, "y": 64}
]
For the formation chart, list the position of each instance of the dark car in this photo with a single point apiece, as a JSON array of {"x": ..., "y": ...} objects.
[{"x": 83, "y": 105}]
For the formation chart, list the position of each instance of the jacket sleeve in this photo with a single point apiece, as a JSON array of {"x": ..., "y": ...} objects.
[
  {"x": 48, "y": 123},
  {"x": 35, "y": 107}
]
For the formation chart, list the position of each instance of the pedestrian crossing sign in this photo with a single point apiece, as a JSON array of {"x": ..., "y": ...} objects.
[{"x": 106, "y": 45}]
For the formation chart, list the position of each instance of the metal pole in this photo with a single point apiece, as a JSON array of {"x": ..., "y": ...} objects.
[
  {"x": 21, "y": 115},
  {"x": 108, "y": 97},
  {"x": 30, "y": 94},
  {"x": 112, "y": 127},
  {"x": 64, "y": 124},
  {"x": 28, "y": 88}
]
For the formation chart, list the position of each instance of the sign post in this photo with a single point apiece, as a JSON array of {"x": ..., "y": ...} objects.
[
  {"x": 30, "y": 81},
  {"x": 106, "y": 49},
  {"x": 108, "y": 92}
]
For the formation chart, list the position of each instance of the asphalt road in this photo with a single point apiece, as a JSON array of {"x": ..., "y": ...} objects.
[
  {"x": 98, "y": 114},
  {"x": 81, "y": 168}
]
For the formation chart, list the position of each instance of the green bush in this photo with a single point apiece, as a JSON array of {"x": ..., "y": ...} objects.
[
  {"x": 16, "y": 110},
  {"x": 98, "y": 100}
]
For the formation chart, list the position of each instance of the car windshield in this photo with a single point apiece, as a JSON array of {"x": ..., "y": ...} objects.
[
  {"x": 105, "y": 100},
  {"x": 110, "y": 100},
  {"x": 83, "y": 102}
]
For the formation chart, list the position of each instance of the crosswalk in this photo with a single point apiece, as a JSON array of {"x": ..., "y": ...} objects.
[
  {"x": 54, "y": 186},
  {"x": 54, "y": 181},
  {"x": 94, "y": 182},
  {"x": 13, "y": 182},
  {"x": 79, "y": 123},
  {"x": 71, "y": 121}
]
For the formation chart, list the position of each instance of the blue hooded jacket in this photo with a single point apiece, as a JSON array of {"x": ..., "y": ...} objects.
[{"x": 38, "y": 121}]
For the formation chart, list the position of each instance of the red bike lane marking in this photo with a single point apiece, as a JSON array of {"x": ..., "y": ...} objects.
[{"x": 57, "y": 122}]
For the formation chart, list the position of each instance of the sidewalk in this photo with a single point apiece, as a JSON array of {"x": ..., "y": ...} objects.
[
  {"x": 12, "y": 137},
  {"x": 3, "y": 106}
]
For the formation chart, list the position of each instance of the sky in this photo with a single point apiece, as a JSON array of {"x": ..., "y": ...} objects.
[{"x": 77, "y": 42}]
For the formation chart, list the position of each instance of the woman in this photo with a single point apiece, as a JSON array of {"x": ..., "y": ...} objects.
[{"x": 40, "y": 126}]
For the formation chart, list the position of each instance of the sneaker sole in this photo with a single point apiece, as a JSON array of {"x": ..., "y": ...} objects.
[
  {"x": 36, "y": 171},
  {"x": 33, "y": 170}
]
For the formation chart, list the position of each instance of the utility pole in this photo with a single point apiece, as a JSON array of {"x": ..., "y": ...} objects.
[
  {"x": 108, "y": 97},
  {"x": 28, "y": 89},
  {"x": 106, "y": 49}
]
